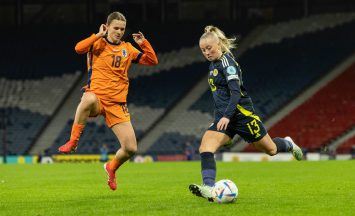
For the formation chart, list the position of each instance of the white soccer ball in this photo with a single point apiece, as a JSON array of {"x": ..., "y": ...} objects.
[{"x": 225, "y": 191}]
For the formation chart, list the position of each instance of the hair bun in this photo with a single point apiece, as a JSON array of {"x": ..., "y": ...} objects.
[
  {"x": 210, "y": 28},
  {"x": 226, "y": 43}
]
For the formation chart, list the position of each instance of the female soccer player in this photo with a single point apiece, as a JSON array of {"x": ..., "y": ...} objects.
[
  {"x": 234, "y": 112},
  {"x": 109, "y": 59}
]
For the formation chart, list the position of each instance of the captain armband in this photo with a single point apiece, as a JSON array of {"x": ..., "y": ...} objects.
[{"x": 231, "y": 77}]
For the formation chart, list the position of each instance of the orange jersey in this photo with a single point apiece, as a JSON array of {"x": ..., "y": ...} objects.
[{"x": 108, "y": 65}]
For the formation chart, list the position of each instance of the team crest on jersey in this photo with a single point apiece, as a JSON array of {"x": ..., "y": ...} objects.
[
  {"x": 215, "y": 72},
  {"x": 124, "y": 53}
]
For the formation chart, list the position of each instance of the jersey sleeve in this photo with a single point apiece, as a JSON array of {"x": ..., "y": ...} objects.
[
  {"x": 136, "y": 54},
  {"x": 232, "y": 72},
  {"x": 147, "y": 57},
  {"x": 87, "y": 44}
]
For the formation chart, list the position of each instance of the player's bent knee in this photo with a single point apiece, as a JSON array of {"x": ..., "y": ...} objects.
[
  {"x": 131, "y": 150},
  {"x": 271, "y": 152},
  {"x": 88, "y": 100},
  {"x": 206, "y": 148}
]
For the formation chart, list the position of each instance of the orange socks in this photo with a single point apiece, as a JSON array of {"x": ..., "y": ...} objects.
[
  {"x": 114, "y": 164},
  {"x": 76, "y": 132}
]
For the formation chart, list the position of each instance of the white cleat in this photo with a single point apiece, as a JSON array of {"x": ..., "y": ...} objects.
[
  {"x": 296, "y": 151},
  {"x": 203, "y": 191}
]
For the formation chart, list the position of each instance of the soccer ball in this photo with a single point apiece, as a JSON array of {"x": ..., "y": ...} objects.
[{"x": 225, "y": 191}]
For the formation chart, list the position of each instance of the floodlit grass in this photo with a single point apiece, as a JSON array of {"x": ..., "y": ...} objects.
[{"x": 265, "y": 188}]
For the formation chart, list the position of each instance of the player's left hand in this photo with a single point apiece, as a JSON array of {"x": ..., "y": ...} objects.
[
  {"x": 138, "y": 37},
  {"x": 223, "y": 123}
]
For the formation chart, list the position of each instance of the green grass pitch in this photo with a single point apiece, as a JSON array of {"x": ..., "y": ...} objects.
[{"x": 265, "y": 188}]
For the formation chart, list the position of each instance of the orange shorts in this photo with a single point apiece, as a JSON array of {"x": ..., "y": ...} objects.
[{"x": 114, "y": 112}]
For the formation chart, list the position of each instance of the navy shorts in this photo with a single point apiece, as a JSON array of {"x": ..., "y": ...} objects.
[{"x": 247, "y": 125}]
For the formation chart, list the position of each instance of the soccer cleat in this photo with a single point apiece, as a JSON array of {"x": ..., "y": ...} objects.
[
  {"x": 111, "y": 182},
  {"x": 203, "y": 191},
  {"x": 68, "y": 147},
  {"x": 296, "y": 151}
]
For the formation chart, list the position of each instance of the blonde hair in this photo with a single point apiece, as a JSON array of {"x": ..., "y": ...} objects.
[
  {"x": 226, "y": 43},
  {"x": 115, "y": 16}
]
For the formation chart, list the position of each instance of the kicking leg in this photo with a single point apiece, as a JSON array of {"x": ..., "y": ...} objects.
[
  {"x": 276, "y": 145},
  {"x": 88, "y": 106}
]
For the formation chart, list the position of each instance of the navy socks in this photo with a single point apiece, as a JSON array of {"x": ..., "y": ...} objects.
[
  {"x": 282, "y": 144},
  {"x": 208, "y": 168}
]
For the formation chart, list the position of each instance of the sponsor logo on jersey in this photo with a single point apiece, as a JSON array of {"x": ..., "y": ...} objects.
[
  {"x": 231, "y": 70},
  {"x": 215, "y": 72}
]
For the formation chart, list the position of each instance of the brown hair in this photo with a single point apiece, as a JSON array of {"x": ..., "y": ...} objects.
[
  {"x": 226, "y": 43},
  {"x": 115, "y": 16}
]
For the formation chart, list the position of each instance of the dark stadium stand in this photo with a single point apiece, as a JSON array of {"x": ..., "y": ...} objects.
[
  {"x": 21, "y": 129},
  {"x": 204, "y": 103},
  {"x": 174, "y": 143},
  {"x": 347, "y": 147},
  {"x": 163, "y": 89},
  {"x": 31, "y": 59},
  {"x": 34, "y": 52},
  {"x": 325, "y": 116}
]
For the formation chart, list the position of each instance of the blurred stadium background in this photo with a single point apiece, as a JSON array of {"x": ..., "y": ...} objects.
[{"x": 298, "y": 58}]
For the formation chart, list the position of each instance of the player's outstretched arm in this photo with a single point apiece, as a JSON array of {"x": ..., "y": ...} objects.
[
  {"x": 84, "y": 45},
  {"x": 148, "y": 57}
]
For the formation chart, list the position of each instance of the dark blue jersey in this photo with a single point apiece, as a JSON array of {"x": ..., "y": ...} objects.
[{"x": 225, "y": 79}]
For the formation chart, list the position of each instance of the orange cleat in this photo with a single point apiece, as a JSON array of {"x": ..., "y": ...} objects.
[
  {"x": 68, "y": 147},
  {"x": 111, "y": 177}
]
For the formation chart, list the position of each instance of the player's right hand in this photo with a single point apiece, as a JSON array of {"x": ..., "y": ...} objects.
[{"x": 102, "y": 31}]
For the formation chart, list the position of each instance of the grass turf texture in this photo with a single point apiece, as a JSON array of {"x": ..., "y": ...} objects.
[{"x": 265, "y": 188}]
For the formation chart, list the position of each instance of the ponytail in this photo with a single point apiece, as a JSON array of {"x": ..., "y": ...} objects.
[{"x": 226, "y": 43}]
